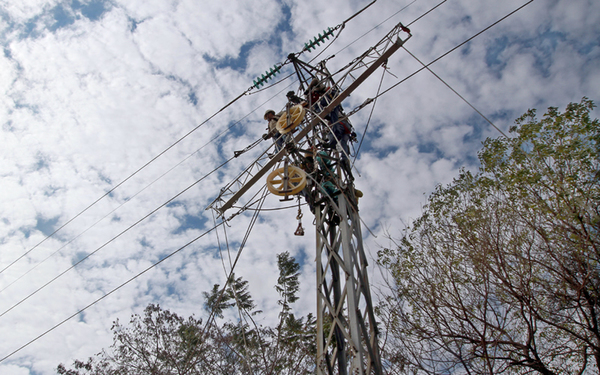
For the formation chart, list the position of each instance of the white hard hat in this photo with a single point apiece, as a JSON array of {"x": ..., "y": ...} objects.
[{"x": 267, "y": 112}]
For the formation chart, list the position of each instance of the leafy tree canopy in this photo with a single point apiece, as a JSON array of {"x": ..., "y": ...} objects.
[
  {"x": 162, "y": 343},
  {"x": 501, "y": 272}
]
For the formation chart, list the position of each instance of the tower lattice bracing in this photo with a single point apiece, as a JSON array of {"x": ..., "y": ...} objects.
[{"x": 347, "y": 331}]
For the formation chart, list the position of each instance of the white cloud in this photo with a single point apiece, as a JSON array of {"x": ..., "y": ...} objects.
[{"x": 27, "y": 9}]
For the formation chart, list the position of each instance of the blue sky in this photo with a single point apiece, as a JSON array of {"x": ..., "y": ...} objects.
[{"x": 93, "y": 90}]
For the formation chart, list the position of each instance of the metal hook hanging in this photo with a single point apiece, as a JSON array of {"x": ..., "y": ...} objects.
[{"x": 299, "y": 231}]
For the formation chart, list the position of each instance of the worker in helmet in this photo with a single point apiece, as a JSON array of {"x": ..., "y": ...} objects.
[{"x": 271, "y": 117}]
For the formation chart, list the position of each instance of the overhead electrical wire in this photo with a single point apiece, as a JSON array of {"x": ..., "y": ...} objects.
[
  {"x": 426, "y": 66},
  {"x": 143, "y": 218},
  {"x": 108, "y": 294},
  {"x": 125, "y": 180},
  {"x": 269, "y": 74},
  {"x": 454, "y": 48},
  {"x": 341, "y": 27},
  {"x": 144, "y": 188},
  {"x": 370, "y": 115},
  {"x": 381, "y": 23},
  {"x": 115, "y": 237},
  {"x": 387, "y": 19}
]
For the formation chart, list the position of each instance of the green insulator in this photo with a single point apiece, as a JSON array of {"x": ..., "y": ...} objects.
[{"x": 316, "y": 41}]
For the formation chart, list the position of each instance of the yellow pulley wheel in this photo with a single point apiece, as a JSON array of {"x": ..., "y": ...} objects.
[
  {"x": 280, "y": 184},
  {"x": 296, "y": 116}
]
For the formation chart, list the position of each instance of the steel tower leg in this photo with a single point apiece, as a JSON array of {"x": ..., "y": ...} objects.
[{"x": 346, "y": 327}]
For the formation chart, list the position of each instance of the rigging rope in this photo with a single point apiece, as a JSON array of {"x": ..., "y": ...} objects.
[
  {"x": 243, "y": 243},
  {"x": 237, "y": 302},
  {"x": 456, "y": 92},
  {"x": 370, "y": 115}
]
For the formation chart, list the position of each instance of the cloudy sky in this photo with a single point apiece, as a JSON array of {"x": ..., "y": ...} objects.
[{"x": 91, "y": 91}]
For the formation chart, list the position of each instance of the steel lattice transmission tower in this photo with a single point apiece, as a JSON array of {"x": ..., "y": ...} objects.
[{"x": 346, "y": 327}]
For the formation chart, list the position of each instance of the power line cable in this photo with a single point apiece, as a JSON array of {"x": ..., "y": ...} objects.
[
  {"x": 381, "y": 23},
  {"x": 426, "y": 66},
  {"x": 115, "y": 237},
  {"x": 147, "y": 186},
  {"x": 125, "y": 180},
  {"x": 455, "y": 48},
  {"x": 370, "y": 115},
  {"x": 426, "y": 13},
  {"x": 342, "y": 26},
  {"x": 109, "y": 293},
  {"x": 152, "y": 212},
  {"x": 269, "y": 74},
  {"x": 387, "y": 19}
]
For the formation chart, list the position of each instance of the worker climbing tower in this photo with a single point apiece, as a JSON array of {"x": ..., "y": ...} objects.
[{"x": 314, "y": 163}]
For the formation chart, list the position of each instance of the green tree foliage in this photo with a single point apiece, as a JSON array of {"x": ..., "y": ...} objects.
[
  {"x": 162, "y": 343},
  {"x": 287, "y": 283},
  {"x": 235, "y": 294},
  {"x": 159, "y": 342},
  {"x": 501, "y": 272}
]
